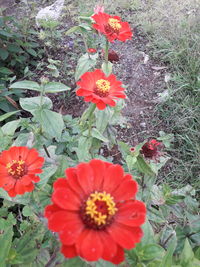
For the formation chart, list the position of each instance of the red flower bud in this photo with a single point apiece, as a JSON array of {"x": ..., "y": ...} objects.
[{"x": 92, "y": 50}]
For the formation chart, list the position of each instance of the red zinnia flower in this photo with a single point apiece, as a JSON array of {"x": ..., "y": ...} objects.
[
  {"x": 112, "y": 27},
  {"x": 95, "y": 87},
  {"x": 18, "y": 167},
  {"x": 151, "y": 149},
  {"x": 92, "y": 50},
  {"x": 95, "y": 212}
]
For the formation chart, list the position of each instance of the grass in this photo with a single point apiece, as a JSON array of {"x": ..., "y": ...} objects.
[{"x": 173, "y": 28}]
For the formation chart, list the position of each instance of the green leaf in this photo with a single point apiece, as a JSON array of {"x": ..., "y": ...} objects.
[
  {"x": 148, "y": 234},
  {"x": 85, "y": 63},
  {"x": 130, "y": 161},
  {"x": 14, "y": 48},
  {"x": 27, "y": 85},
  {"x": 7, "y": 115},
  {"x": 107, "y": 68},
  {"x": 167, "y": 260},
  {"x": 31, "y": 52},
  {"x": 5, "y": 71},
  {"x": 3, "y": 54},
  {"x": 33, "y": 103},
  {"x": 5, "y": 241},
  {"x": 103, "y": 117},
  {"x": 152, "y": 251},
  {"x": 142, "y": 166},
  {"x": 10, "y": 127},
  {"x": 75, "y": 262},
  {"x": 103, "y": 263},
  {"x": 55, "y": 87},
  {"x": 27, "y": 245},
  {"x": 84, "y": 145},
  {"x": 72, "y": 30},
  {"x": 46, "y": 174},
  {"x": 52, "y": 122},
  {"x": 27, "y": 211},
  {"x": 96, "y": 134},
  {"x": 187, "y": 254},
  {"x": 5, "y": 34}
]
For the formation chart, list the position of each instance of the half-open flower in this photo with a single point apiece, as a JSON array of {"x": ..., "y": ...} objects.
[
  {"x": 151, "y": 149},
  {"x": 95, "y": 213},
  {"x": 112, "y": 27},
  {"x": 95, "y": 87},
  {"x": 18, "y": 169}
]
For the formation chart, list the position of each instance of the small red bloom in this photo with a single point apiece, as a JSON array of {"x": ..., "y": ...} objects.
[
  {"x": 112, "y": 55},
  {"x": 112, "y": 27},
  {"x": 95, "y": 213},
  {"x": 18, "y": 169},
  {"x": 95, "y": 87},
  {"x": 92, "y": 50},
  {"x": 151, "y": 149}
]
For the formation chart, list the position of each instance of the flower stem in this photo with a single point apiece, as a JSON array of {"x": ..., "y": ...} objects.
[
  {"x": 87, "y": 114},
  {"x": 106, "y": 51}
]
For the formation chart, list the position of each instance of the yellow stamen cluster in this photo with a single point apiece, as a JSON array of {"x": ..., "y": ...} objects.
[
  {"x": 92, "y": 207},
  {"x": 16, "y": 167},
  {"x": 115, "y": 24},
  {"x": 103, "y": 85}
]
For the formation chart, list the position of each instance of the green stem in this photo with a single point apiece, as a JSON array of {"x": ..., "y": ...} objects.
[
  {"x": 106, "y": 51},
  {"x": 87, "y": 114},
  {"x": 41, "y": 95}
]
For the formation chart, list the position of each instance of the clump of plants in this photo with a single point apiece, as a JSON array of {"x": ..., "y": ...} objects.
[{"x": 63, "y": 203}]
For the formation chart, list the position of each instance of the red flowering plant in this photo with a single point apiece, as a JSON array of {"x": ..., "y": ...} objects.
[
  {"x": 19, "y": 167},
  {"x": 95, "y": 87},
  {"x": 95, "y": 213},
  {"x": 112, "y": 27}
]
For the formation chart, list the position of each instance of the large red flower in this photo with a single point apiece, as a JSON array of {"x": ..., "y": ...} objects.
[
  {"x": 112, "y": 27},
  {"x": 95, "y": 87},
  {"x": 95, "y": 213},
  {"x": 18, "y": 169}
]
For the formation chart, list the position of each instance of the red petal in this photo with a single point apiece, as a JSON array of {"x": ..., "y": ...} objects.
[
  {"x": 125, "y": 236},
  {"x": 19, "y": 188},
  {"x": 126, "y": 190},
  {"x": 101, "y": 105},
  {"x": 109, "y": 246},
  {"x": 30, "y": 187},
  {"x": 99, "y": 168},
  {"x": 69, "y": 251},
  {"x": 58, "y": 220},
  {"x": 66, "y": 199},
  {"x": 12, "y": 192},
  {"x": 60, "y": 182},
  {"x": 26, "y": 180},
  {"x": 89, "y": 245},
  {"x": 83, "y": 92},
  {"x": 72, "y": 178},
  {"x": 131, "y": 213},
  {"x": 85, "y": 177},
  {"x": 50, "y": 209},
  {"x": 72, "y": 230},
  {"x": 113, "y": 178},
  {"x": 119, "y": 256}
]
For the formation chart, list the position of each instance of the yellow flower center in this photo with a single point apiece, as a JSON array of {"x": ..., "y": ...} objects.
[
  {"x": 115, "y": 24},
  {"x": 99, "y": 209},
  {"x": 16, "y": 168},
  {"x": 102, "y": 87}
]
